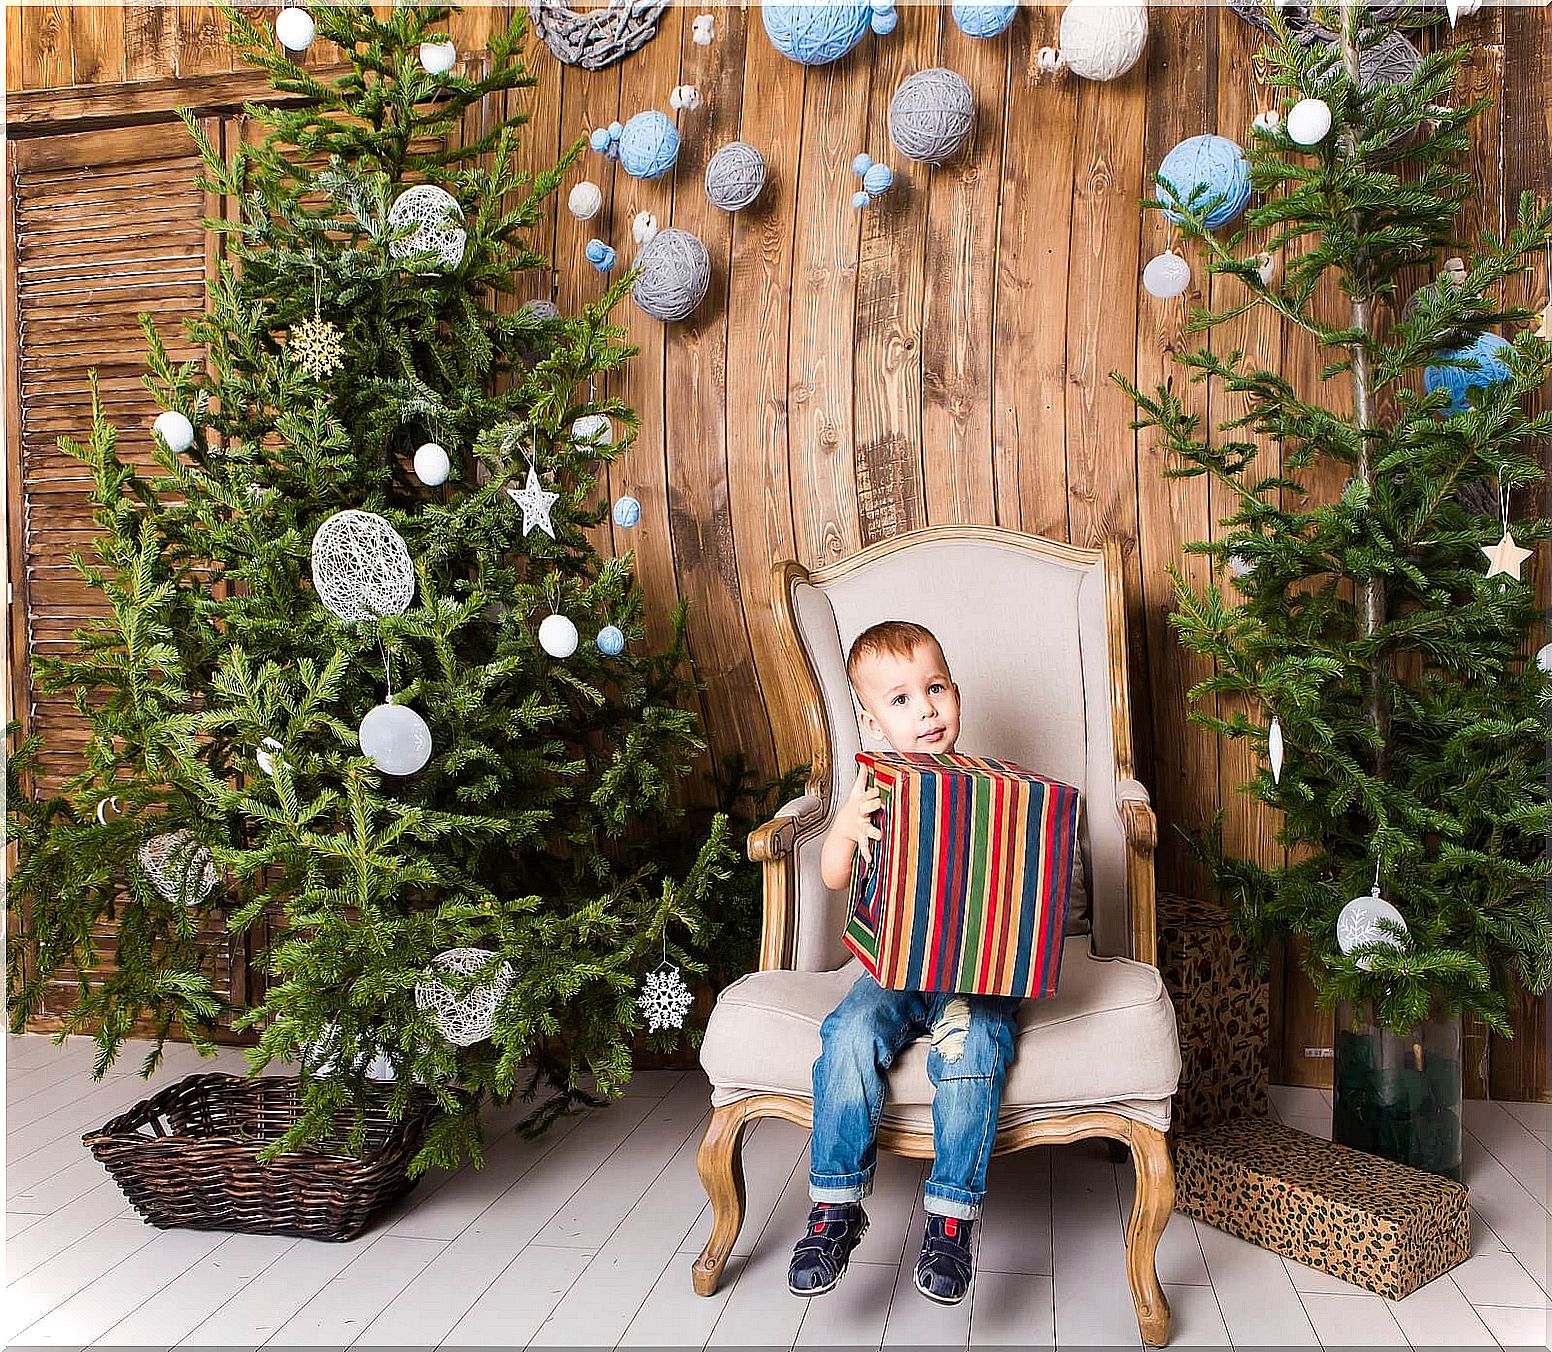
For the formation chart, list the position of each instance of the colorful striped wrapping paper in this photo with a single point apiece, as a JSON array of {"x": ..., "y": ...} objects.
[{"x": 967, "y": 890}]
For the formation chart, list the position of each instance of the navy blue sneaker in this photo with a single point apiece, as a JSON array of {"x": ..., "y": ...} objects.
[
  {"x": 818, "y": 1261},
  {"x": 945, "y": 1267}
]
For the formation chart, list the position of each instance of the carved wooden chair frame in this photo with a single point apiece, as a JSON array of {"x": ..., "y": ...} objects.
[{"x": 720, "y": 1158}]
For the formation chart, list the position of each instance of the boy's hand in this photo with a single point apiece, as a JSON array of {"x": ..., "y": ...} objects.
[{"x": 855, "y": 819}]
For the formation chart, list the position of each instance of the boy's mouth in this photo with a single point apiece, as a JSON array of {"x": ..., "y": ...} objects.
[{"x": 933, "y": 735}]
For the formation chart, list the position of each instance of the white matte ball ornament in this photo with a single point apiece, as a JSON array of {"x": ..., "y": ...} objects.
[
  {"x": 1309, "y": 120},
  {"x": 438, "y": 57},
  {"x": 435, "y": 224},
  {"x": 558, "y": 636},
  {"x": 1166, "y": 276},
  {"x": 176, "y": 430},
  {"x": 586, "y": 200},
  {"x": 432, "y": 464},
  {"x": 396, "y": 738},
  {"x": 465, "y": 1014},
  {"x": 1359, "y": 924},
  {"x": 295, "y": 29},
  {"x": 361, "y": 567},
  {"x": 1099, "y": 40}
]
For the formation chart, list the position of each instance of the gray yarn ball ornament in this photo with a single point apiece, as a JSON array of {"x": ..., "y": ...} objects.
[
  {"x": 931, "y": 115},
  {"x": 675, "y": 273},
  {"x": 735, "y": 175}
]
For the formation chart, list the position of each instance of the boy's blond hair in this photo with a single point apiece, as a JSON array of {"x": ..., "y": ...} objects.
[{"x": 896, "y": 638}]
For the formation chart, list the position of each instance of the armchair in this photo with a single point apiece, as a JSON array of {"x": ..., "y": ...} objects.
[{"x": 1035, "y": 634}]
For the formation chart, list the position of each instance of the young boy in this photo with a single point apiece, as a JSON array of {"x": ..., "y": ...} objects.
[{"x": 908, "y": 700}]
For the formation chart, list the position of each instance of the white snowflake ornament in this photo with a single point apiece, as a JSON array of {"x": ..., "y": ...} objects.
[{"x": 664, "y": 1000}]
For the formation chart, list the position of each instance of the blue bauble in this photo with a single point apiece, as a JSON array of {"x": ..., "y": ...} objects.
[
  {"x": 627, "y": 511},
  {"x": 984, "y": 21},
  {"x": 1455, "y": 381},
  {"x": 1218, "y": 166},
  {"x": 817, "y": 34},
  {"x": 649, "y": 145},
  {"x": 611, "y": 642}
]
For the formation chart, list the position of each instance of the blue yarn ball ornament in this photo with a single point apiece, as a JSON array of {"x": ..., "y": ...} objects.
[
  {"x": 611, "y": 642},
  {"x": 1486, "y": 350},
  {"x": 600, "y": 255},
  {"x": 599, "y": 140},
  {"x": 983, "y": 21},
  {"x": 862, "y": 164},
  {"x": 649, "y": 145},
  {"x": 879, "y": 178},
  {"x": 860, "y": 200},
  {"x": 817, "y": 34},
  {"x": 627, "y": 511},
  {"x": 884, "y": 21},
  {"x": 1215, "y": 164}
]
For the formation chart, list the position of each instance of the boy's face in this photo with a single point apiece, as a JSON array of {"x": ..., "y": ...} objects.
[{"x": 909, "y": 702}]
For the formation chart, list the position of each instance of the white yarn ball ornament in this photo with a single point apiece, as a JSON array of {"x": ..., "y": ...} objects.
[
  {"x": 931, "y": 114},
  {"x": 435, "y": 224},
  {"x": 1098, "y": 40},
  {"x": 1359, "y": 924},
  {"x": 1166, "y": 276},
  {"x": 176, "y": 430},
  {"x": 1308, "y": 121},
  {"x": 396, "y": 738},
  {"x": 438, "y": 57},
  {"x": 585, "y": 201},
  {"x": 179, "y": 867},
  {"x": 432, "y": 464},
  {"x": 361, "y": 567},
  {"x": 558, "y": 636},
  {"x": 295, "y": 29},
  {"x": 464, "y": 1014}
]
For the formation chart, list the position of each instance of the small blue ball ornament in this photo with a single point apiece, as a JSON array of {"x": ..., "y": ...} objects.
[
  {"x": 1487, "y": 351},
  {"x": 817, "y": 34},
  {"x": 611, "y": 642},
  {"x": 861, "y": 164},
  {"x": 879, "y": 178},
  {"x": 600, "y": 140},
  {"x": 649, "y": 145},
  {"x": 860, "y": 200},
  {"x": 1218, "y": 167},
  {"x": 983, "y": 21},
  {"x": 600, "y": 255},
  {"x": 627, "y": 511},
  {"x": 884, "y": 21}
]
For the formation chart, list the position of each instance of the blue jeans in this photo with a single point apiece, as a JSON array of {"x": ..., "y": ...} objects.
[{"x": 972, "y": 1047}]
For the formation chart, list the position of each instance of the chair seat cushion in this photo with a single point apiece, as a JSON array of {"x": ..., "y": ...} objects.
[{"x": 1107, "y": 1036}]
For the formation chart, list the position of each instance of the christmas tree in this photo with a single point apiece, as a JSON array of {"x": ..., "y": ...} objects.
[
  {"x": 1372, "y": 640},
  {"x": 368, "y": 690}
]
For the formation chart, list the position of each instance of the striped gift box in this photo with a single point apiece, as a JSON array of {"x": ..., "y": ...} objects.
[{"x": 967, "y": 890}]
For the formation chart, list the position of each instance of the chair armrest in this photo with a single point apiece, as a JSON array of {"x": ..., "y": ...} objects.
[
  {"x": 774, "y": 839},
  {"x": 1142, "y": 839},
  {"x": 1137, "y": 816}
]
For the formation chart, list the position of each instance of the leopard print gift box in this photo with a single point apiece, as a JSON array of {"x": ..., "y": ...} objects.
[{"x": 1382, "y": 1226}]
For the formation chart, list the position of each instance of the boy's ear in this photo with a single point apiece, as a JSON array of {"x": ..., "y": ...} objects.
[{"x": 870, "y": 725}]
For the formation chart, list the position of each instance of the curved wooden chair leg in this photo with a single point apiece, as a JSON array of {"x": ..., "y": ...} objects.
[
  {"x": 721, "y": 1166},
  {"x": 1154, "y": 1201}
]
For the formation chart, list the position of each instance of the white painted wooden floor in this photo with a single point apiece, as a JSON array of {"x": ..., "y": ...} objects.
[{"x": 586, "y": 1239}]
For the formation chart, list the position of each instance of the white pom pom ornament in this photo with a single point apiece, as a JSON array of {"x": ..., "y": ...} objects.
[
  {"x": 558, "y": 636},
  {"x": 295, "y": 29},
  {"x": 176, "y": 430},
  {"x": 1309, "y": 120},
  {"x": 1166, "y": 276},
  {"x": 432, "y": 464},
  {"x": 438, "y": 57},
  {"x": 585, "y": 201}
]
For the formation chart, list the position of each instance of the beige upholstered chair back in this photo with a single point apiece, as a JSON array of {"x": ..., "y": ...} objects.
[{"x": 1024, "y": 625}]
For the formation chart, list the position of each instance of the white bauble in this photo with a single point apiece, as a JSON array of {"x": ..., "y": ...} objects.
[
  {"x": 295, "y": 29},
  {"x": 585, "y": 201},
  {"x": 438, "y": 57},
  {"x": 1101, "y": 40},
  {"x": 1544, "y": 659},
  {"x": 265, "y": 754},
  {"x": 1166, "y": 276},
  {"x": 396, "y": 738},
  {"x": 1308, "y": 121},
  {"x": 592, "y": 427},
  {"x": 558, "y": 636},
  {"x": 176, "y": 430},
  {"x": 1359, "y": 924},
  {"x": 432, "y": 464},
  {"x": 1274, "y": 749}
]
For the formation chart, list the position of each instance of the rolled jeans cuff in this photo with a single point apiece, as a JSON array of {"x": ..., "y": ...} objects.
[
  {"x": 951, "y": 1202},
  {"x": 840, "y": 1187}
]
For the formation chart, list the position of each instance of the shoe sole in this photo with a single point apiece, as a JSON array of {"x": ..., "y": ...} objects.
[
  {"x": 825, "y": 1290},
  {"x": 937, "y": 1299}
]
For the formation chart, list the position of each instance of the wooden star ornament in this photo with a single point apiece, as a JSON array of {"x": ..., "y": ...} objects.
[{"x": 1505, "y": 557}]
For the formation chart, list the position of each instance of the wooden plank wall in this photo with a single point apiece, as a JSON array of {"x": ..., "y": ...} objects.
[{"x": 943, "y": 356}]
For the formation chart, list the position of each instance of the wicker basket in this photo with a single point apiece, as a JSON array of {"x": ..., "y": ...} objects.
[{"x": 187, "y": 1157}]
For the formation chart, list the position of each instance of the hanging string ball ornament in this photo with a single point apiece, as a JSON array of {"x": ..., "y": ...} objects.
[
  {"x": 396, "y": 738},
  {"x": 432, "y": 464},
  {"x": 1098, "y": 40},
  {"x": 317, "y": 347},
  {"x": 1359, "y": 924},
  {"x": 931, "y": 115},
  {"x": 1166, "y": 276},
  {"x": 592, "y": 427},
  {"x": 558, "y": 636},
  {"x": 1456, "y": 381},
  {"x": 815, "y": 34},
  {"x": 983, "y": 21},
  {"x": 595, "y": 38},
  {"x": 179, "y": 867},
  {"x": 175, "y": 429},
  {"x": 585, "y": 200},
  {"x": 465, "y": 1013},
  {"x": 1309, "y": 122},
  {"x": 295, "y": 29},
  {"x": 427, "y": 219},
  {"x": 664, "y": 1000},
  {"x": 675, "y": 273},
  {"x": 611, "y": 640},
  {"x": 649, "y": 145},
  {"x": 437, "y": 58},
  {"x": 361, "y": 567},
  {"x": 734, "y": 176},
  {"x": 1214, "y": 170},
  {"x": 627, "y": 511},
  {"x": 600, "y": 255}
]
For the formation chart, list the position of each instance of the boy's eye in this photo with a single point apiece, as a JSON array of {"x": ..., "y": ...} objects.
[{"x": 898, "y": 699}]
